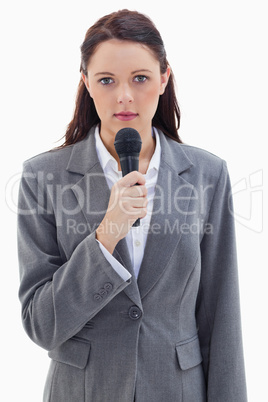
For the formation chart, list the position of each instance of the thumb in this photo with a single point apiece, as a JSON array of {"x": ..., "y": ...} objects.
[{"x": 132, "y": 178}]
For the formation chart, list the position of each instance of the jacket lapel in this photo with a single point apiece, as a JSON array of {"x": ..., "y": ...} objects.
[
  {"x": 166, "y": 215},
  {"x": 171, "y": 202},
  {"x": 92, "y": 193},
  {"x": 122, "y": 255}
]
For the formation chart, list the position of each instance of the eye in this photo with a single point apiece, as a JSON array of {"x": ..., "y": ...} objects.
[
  {"x": 140, "y": 78},
  {"x": 106, "y": 81}
]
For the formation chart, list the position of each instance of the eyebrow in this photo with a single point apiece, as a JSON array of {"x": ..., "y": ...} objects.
[
  {"x": 104, "y": 73},
  {"x": 133, "y": 72},
  {"x": 141, "y": 70}
]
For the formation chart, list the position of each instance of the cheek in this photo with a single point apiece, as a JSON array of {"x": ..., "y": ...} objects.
[
  {"x": 151, "y": 99},
  {"x": 101, "y": 102},
  {"x": 153, "y": 92}
]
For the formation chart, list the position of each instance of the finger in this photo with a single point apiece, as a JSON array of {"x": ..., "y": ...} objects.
[
  {"x": 133, "y": 212},
  {"x": 141, "y": 213},
  {"x": 131, "y": 179},
  {"x": 132, "y": 203},
  {"x": 134, "y": 191}
]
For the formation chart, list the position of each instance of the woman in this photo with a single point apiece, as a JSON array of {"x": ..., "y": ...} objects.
[{"x": 147, "y": 313}]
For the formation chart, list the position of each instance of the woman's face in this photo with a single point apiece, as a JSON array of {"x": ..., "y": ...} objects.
[{"x": 125, "y": 82}]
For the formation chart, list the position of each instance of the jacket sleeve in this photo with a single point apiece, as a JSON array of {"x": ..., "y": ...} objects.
[
  {"x": 58, "y": 297},
  {"x": 218, "y": 307}
]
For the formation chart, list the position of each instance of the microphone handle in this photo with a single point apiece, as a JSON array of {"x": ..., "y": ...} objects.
[{"x": 129, "y": 163}]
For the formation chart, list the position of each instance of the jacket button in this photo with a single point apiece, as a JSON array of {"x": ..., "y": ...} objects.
[
  {"x": 108, "y": 286},
  {"x": 97, "y": 297},
  {"x": 134, "y": 312},
  {"x": 103, "y": 292}
]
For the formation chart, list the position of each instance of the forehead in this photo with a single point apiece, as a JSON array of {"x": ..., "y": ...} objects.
[{"x": 115, "y": 53}]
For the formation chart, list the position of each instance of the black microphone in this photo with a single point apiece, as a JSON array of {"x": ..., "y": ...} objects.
[{"x": 128, "y": 145}]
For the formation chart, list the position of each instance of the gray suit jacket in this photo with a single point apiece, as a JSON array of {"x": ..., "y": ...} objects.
[{"x": 173, "y": 334}]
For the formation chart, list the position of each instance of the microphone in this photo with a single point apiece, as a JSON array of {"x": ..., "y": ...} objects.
[{"x": 128, "y": 145}]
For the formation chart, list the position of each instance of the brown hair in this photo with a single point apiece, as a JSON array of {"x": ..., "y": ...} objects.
[{"x": 130, "y": 26}]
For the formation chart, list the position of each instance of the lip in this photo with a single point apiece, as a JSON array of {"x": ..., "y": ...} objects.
[{"x": 126, "y": 116}]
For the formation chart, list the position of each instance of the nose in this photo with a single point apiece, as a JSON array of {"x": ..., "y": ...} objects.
[{"x": 124, "y": 95}]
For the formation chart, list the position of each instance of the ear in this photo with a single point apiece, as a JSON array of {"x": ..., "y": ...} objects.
[
  {"x": 164, "y": 80},
  {"x": 85, "y": 79}
]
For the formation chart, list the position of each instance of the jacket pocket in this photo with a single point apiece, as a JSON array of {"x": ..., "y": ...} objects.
[
  {"x": 73, "y": 352},
  {"x": 188, "y": 353}
]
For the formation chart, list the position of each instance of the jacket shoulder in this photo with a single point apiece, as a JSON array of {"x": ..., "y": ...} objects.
[
  {"x": 206, "y": 169},
  {"x": 200, "y": 156},
  {"x": 205, "y": 163},
  {"x": 52, "y": 160}
]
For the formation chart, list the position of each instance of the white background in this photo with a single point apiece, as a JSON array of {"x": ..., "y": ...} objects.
[{"x": 218, "y": 52}]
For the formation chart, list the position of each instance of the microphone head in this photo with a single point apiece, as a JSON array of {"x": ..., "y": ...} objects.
[{"x": 127, "y": 141}]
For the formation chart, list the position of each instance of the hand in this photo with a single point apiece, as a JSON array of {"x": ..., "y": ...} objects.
[{"x": 127, "y": 203}]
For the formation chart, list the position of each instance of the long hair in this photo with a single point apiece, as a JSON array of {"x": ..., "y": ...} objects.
[{"x": 130, "y": 26}]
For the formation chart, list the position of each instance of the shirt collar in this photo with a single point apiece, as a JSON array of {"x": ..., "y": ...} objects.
[
  {"x": 104, "y": 155},
  {"x": 107, "y": 160},
  {"x": 155, "y": 160}
]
